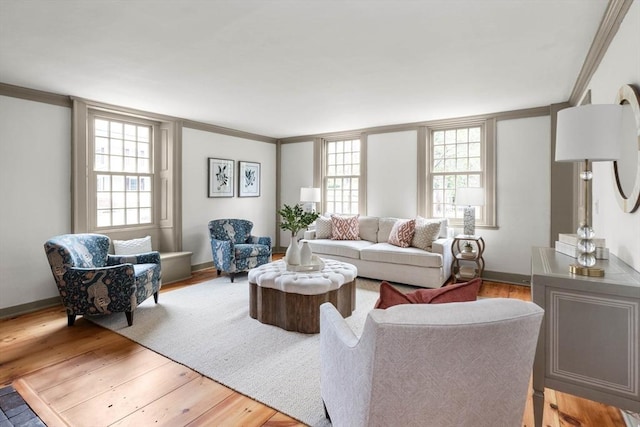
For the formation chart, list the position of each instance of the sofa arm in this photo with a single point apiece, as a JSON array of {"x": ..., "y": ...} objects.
[
  {"x": 310, "y": 234},
  {"x": 443, "y": 247}
]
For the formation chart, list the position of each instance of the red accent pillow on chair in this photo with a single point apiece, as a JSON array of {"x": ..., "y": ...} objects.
[{"x": 460, "y": 292}]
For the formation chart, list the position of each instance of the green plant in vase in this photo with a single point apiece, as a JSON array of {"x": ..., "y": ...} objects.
[{"x": 294, "y": 219}]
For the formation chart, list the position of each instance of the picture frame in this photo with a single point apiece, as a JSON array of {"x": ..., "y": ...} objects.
[
  {"x": 221, "y": 177},
  {"x": 248, "y": 179}
]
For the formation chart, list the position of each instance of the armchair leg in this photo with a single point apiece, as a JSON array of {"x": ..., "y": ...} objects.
[
  {"x": 326, "y": 413},
  {"x": 232, "y": 275},
  {"x": 129, "y": 315},
  {"x": 71, "y": 319},
  {"x": 155, "y": 297},
  {"x": 218, "y": 271}
]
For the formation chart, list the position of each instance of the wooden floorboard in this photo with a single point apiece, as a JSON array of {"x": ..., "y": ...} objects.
[{"x": 75, "y": 376}]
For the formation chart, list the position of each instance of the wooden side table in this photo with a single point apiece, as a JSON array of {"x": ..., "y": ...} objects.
[{"x": 462, "y": 260}]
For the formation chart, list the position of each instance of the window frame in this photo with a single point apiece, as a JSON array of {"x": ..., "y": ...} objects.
[
  {"x": 325, "y": 177},
  {"x": 92, "y": 208},
  {"x": 487, "y": 217}
]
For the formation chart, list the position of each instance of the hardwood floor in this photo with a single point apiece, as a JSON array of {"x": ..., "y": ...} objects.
[{"x": 89, "y": 376}]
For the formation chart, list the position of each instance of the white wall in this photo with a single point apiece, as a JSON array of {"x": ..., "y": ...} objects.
[
  {"x": 296, "y": 160},
  {"x": 620, "y": 66},
  {"x": 35, "y": 176},
  {"x": 523, "y": 195},
  {"x": 392, "y": 168},
  {"x": 198, "y": 209}
]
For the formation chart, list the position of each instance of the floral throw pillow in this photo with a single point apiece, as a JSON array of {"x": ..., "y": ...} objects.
[
  {"x": 345, "y": 227},
  {"x": 402, "y": 233}
]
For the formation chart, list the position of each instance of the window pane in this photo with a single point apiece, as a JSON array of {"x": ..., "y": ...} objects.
[
  {"x": 132, "y": 183},
  {"x": 104, "y": 218},
  {"x": 103, "y": 183},
  {"x": 474, "y": 164},
  {"x": 474, "y": 134},
  {"x": 101, "y": 127},
  {"x": 145, "y": 183},
  {"x": 116, "y": 163},
  {"x": 450, "y": 137},
  {"x": 117, "y": 200},
  {"x": 104, "y": 200},
  {"x": 143, "y": 133},
  {"x": 130, "y": 164},
  {"x": 143, "y": 166},
  {"x": 438, "y": 137},
  {"x": 145, "y": 216},
  {"x": 116, "y": 146},
  {"x": 115, "y": 130},
  {"x": 462, "y": 150},
  {"x": 130, "y": 132},
  {"x": 143, "y": 150},
  {"x": 462, "y": 135},
  {"x": 118, "y": 217},
  {"x": 132, "y": 216},
  {"x": 102, "y": 163},
  {"x": 474, "y": 150},
  {"x": 117, "y": 182},
  {"x": 130, "y": 148},
  {"x": 145, "y": 200},
  {"x": 102, "y": 146}
]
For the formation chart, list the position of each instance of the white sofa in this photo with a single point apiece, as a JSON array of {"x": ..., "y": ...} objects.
[{"x": 375, "y": 258}]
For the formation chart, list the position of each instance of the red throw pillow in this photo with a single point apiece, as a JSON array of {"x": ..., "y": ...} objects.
[{"x": 460, "y": 292}]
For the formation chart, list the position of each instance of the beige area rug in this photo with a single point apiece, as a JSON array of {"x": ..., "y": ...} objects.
[{"x": 207, "y": 328}]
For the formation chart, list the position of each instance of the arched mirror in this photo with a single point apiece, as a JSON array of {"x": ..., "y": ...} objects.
[{"x": 626, "y": 170}]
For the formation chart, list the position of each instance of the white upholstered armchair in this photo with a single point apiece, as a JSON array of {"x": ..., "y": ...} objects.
[{"x": 455, "y": 364}]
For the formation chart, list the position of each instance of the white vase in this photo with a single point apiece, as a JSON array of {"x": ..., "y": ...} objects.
[
  {"x": 305, "y": 253},
  {"x": 293, "y": 252}
]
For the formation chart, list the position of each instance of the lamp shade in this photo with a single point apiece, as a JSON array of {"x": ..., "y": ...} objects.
[
  {"x": 309, "y": 195},
  {"x": 470, "y": 196},
  {"x": 589, "y": 132}
]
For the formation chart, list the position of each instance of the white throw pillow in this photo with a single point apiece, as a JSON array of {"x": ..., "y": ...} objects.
[{"x": 133, "y": 246}]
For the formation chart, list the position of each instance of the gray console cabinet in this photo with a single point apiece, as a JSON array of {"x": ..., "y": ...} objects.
[{"x": 588, "y": 343}]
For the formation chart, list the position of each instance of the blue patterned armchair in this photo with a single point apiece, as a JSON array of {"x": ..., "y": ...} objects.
[
  {"x": 234, "y": 248},
  {"x": 93, "y": 282}
]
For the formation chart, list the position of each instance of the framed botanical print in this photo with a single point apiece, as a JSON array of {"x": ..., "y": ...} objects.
[
  {"x": 221, "y": 177},
  {"x": 248, "y": 179}
]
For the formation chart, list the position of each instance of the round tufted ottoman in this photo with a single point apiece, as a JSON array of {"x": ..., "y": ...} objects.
[{"x": 291, "y": 300}]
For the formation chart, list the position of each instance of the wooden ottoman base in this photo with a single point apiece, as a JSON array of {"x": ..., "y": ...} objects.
[{"x": 296, "y": 312}]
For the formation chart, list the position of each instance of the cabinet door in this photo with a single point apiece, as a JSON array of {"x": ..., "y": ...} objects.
[{"x": 593, "y": 341}]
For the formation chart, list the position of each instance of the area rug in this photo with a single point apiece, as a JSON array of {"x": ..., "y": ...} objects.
[{"x": 207, "y": 328}]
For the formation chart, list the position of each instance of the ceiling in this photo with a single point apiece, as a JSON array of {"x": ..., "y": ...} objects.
[{"x": 285, "y": 68}]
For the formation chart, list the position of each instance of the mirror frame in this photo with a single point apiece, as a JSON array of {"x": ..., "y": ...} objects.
[{"x": 629, "y": 199}]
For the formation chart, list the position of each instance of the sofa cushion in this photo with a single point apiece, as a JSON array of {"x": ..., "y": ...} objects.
[
  {"x": 384, "y": 228},
  {"x": 402, "y": 233},
  {"x": 343, "y": 248},
  {"x": 323, "y": 227},
  {"x": 345, "y": 227},
  {"x": 388, "y": 253},
  {"x": 460, "y": 292},
  {"x": 368, "y": 228},
  {"x": 427, "y": 231}
]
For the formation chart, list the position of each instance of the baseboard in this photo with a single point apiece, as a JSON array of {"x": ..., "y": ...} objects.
[
  {"x": 512, "y": 278},
  {"x": 29, "y": 307},
  {"x": 203, "y": 266}
]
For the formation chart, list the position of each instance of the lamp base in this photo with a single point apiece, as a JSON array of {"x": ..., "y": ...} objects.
[{"x": 586, "y": 271}]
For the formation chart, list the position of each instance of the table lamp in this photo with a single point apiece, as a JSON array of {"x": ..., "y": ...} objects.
[
  {"x": 309, "y": 196},
  {"x": 589, "y": 133},
  {"x": 470, "y": 197}
]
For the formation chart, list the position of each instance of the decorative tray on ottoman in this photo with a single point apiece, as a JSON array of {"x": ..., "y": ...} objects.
[{"x": 316, "y": 265}]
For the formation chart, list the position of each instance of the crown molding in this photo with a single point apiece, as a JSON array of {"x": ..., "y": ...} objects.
[
  {"x": 613, "y": 17},
  {"x": 35, "y": 95},
  {"x": 227, "y": 131}
]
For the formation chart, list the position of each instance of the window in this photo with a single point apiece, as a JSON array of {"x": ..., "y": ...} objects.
[
  {"x": 458, "y": 160},
  {"x": 342, "y": 176},
  {"x": 122, "y": 171}
]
